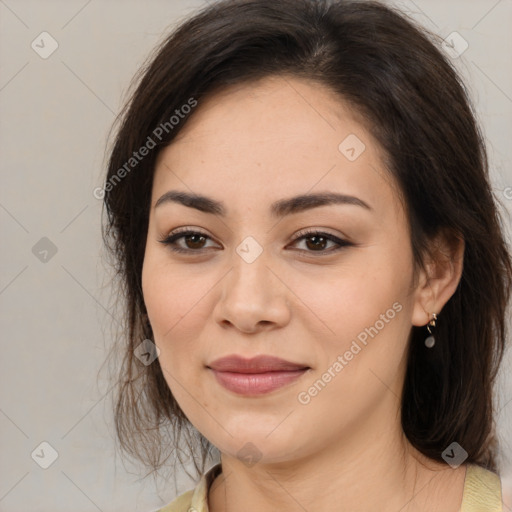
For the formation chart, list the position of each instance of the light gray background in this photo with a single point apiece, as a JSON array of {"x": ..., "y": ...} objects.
[{"x": 56, "y": 114}]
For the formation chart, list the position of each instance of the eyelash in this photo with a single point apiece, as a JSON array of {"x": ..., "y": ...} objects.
[{"x": 176, "y": 235}]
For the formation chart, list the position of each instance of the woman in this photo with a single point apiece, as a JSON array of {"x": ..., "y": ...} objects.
[{"x": 299, "y": 206}]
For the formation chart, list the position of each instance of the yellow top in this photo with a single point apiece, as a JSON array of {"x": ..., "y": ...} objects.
[{"x": 482, "y": 492}]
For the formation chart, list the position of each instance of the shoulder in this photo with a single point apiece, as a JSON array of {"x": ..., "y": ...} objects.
[
  {"x": 194, "y": 500},
  {"x": 482, "y": 490}
]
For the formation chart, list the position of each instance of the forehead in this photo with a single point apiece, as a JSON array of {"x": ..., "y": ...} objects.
[{"x": 277, "y": 135}]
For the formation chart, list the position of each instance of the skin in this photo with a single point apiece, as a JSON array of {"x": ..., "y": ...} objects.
[{"x": 249, "y": 146}]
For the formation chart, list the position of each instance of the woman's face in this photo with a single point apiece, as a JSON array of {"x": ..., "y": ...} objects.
[{"x": 252, "y": 286}]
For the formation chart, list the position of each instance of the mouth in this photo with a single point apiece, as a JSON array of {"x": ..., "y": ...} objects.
[
  {"x": 259, "y": 364},
  {"x": 256, "y": 376}
]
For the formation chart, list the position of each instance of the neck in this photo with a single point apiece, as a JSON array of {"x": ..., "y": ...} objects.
[{"x": 368, "y": 469}]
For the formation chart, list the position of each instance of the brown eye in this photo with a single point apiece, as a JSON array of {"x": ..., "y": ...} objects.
[
  {"x": 316, "y": 242},
  {"x": 194, "y": 241}
]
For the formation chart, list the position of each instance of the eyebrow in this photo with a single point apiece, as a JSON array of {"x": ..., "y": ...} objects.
[{"x": 280, "y": 208}]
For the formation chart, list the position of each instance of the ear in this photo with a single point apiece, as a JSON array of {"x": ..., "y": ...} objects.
[{"x": 438, "y": 282}]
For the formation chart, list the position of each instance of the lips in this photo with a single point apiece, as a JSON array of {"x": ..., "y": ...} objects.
[
  {"x": 258, "y": 364},
  {"x": 256, "y": 376}
]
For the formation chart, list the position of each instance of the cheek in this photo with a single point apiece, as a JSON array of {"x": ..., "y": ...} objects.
[
  {"x": 173, "y": 305},
  {"x": 341, "y": 302},
  {"x": 168, "y": 291},
  {"x": 361, "y": 313},
  {"x": 360, "y": 359},
  {"x": 177, "y": 304}
]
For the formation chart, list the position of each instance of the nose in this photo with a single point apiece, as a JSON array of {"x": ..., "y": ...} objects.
[{"x": 253, "y": 297}]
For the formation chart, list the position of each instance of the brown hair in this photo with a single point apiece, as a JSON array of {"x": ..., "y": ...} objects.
[{"x": 389, "y": 70}]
